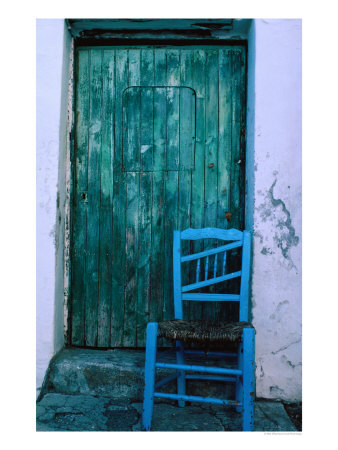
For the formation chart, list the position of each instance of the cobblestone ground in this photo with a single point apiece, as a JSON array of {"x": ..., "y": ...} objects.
[{"x": 58, "y": 412}]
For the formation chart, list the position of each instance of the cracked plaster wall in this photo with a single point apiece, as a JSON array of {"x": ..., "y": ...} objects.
[
  {"x": 276, "y": 206},
  {"x": 52, "y": 63}
]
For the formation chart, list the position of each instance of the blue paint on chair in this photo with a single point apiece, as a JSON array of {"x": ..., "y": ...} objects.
[{"x": 244, "y": 374}]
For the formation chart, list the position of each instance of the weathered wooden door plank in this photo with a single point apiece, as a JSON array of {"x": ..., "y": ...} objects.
[
  {"x": 146, "y": 191},
  {"x": 79, "y": 232},
  {"x": 198, "y": 190},
  {"x": 186, "y": 152},
  {"x": 106, "y": 199},
  {"x": 211, "y": 157},
  {"x": 118, "y": 207},
  {"x": 94, "y": 188}
]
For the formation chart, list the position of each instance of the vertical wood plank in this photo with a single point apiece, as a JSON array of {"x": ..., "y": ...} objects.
[
  {"x": 224, "y": 136},
  {"x": 106, "y": 200},
  {"x": 132, "y": 180},
  {"x": 144, "y": 256},
  {"x": 171, "y": 224},
  {"x": 173, "y": 109},
  {"x": 93, "y": 231},
  {"x": 147, "y": 109},
  {"x": 132, "y": 144},
  {"x": 158, "y": 195},
  {"x": 160, "y": 110},
  {"x": 145, "y": 209},
  {"x": 211, "y": 158},
  {"x": 197, "y": 201},
  {"x": 171, "y": 185},
  {"x": 237, "y": 163},
  {"x": 131, "y": 294},
  {"x": 224, "y": 155},
  {"x": 157, "y": 247},
  {"x": 79, "y": 231},
  {"x": 119, "y": 201},
  {"x": 186, "y": 157}
]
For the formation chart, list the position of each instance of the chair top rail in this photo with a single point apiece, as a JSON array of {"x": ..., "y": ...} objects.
[
  {"x": 213, "y": 233},
  {"x": 211, "y": 251}
]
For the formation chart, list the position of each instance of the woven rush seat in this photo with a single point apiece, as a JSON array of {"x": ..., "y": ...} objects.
[{"x": 206, "y": 332}]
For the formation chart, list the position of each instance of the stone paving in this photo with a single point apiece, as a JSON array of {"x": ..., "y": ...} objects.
[{"x": 62, "y": 412}]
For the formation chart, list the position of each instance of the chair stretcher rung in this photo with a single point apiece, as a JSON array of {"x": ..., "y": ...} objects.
[
  {"x": 193, "y": 398},
  {"x": 210, "y": 354},
  {"x": 210, "y": 377},
  {"x": 202, "y": 369},
  {"x": 165, "y": 381}
]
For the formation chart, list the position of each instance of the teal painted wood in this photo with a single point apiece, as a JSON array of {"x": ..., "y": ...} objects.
[
  {"x": 106, "y": 199},
  {"x": 94, "y": 192},
  {"x": 80, "y": 205},
  {"x": 187, "y": 135},
  {"x": 159, "y": 189},
  {"x": 211, "y": 149},
  {"x": 144, "y": 256},
  {"x": 197, "y": 199},
  {"x": 118, "y": 204},
  {"x": 169, "y": 133},
  {"x": 170, "y": 224},
  {"x": 132, "y": 247}
]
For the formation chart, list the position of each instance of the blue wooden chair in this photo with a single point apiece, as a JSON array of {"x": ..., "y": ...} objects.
[{"x": 183, "y": 332}]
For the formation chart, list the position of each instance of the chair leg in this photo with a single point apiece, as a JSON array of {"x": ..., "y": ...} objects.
[
  {"x": 149, "y": 375},
  {"x": 248, "y": 378},
  {"x": 239, "y": 382},
  {"x": 180, "y": 373}
]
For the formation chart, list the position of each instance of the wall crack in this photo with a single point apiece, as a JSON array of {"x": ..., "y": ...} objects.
[{"x": 275, "y": 210}]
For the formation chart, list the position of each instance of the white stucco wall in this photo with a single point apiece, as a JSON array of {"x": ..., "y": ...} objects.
[
  {"x": 52, "y": 56},
  {"x": 276, "y": 182}
]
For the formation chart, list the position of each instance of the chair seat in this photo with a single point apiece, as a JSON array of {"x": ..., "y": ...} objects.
[{"x": 206, "y": 332}]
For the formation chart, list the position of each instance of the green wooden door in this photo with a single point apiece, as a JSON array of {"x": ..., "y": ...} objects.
[{"x": 159, "y": 145}]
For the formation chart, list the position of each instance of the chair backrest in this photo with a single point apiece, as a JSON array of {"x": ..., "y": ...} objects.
[{"x": 218, "y": 272}]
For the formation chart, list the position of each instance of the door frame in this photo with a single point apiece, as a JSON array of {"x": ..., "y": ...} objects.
[{"x": 129, "y": 32}]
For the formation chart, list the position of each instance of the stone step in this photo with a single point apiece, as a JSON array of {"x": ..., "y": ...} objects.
[{"x": 118, "y": 374}]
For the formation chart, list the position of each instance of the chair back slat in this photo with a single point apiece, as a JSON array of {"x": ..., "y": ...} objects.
[
  {"x": 206, "y": 268},
  {"x": 215, "y": 266},
  {"x": 182, "y": 293},
  {"x": 198, "y": 269},
  {"x": 192, "y": 296},
  {"x": 211, "y": 251},
  {"x": 224, "y": 262},
  {"x": 210, "y": 281}
]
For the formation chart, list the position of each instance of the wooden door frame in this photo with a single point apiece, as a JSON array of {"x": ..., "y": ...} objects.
[{"x": 129, "y": 32}]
